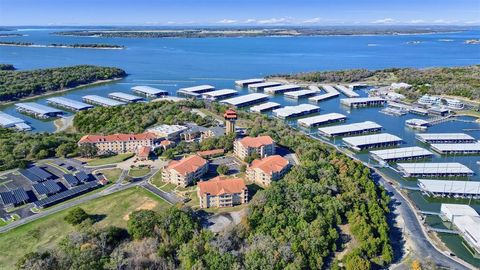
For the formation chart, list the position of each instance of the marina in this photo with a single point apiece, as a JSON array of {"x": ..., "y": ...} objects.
[
  {"x": 124, "y": 97},
  {"x": 450, "y": 188},
  {"x": 246, "y": 100},
  {"x": 323, "y": 97},
  {"x": 247, "y": 82},
  {"x": 149, "y": 91},
  {"x": 295, "y": 111},
  {"x": 323, "y": 119},
  {"x": 347, "y": 91},
  {"x": 69, "y": 104},
  {"x": 362, "y": 102},
  {"x": 8, "y": 121},
  {"x": 219, "y": 94},
  {"x": 281, "y": 89},
  {"x": 268, "y": 106},
  {"x": 404, "y": 153},
  {"x": 102, "y": 101},
  {"x": 456, "y": 148},
  {"x": 195, "y": 91},
  {"x": 440, "y": 169},
  {"x": 300, "y": 94},
  {"x": 38, "y": 110},
  {"x": 350, "y": 129},
  {"x": 445, "y": 138},
  {"x": 262, "y": 85},
  {"x": 360, "y": 143}
]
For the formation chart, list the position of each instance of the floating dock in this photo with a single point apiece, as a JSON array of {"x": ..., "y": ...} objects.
[
  {"x": 347, "y": 91},
  {"x": 443, "y": 169},
  {"x": 102, "y": 101},
  {"x": 300, "y": 94},
  {"x": 404, "y": 153},
  {"x": 195, "y": 91},
  {"x": 350, "y": 129},
  {"x": 456, "y": 148},
  {"x": 149, "y": 91},
  {"x": 69, "y": 104},
  {"x": 295, "y": 111},
  {"x": 445, "y": 138},
  {"x": 9, "y": 121},
  {"x": 455, "y": 188},
  {"x": 246, "y": 100},
  {"x": 38, "y": 110},
  {"x": 281, "y": 89},
  {"x": 417, "y": 123},
  {"x": 418, "y": 111},
  {"x": 323, "y": 119},
  {"x": 124, "y": 97},
  {"x": 438, "y": 111},
  {"x": 363, "y": 102},
  {"x": 268, "y": 106},
  {"x": 219, "y": 94},
  {"x": 323, "y": 97},
  {"x": 263, "y": 85},
  {"x": 360, "y": 143},
  {"x": 247, "y": 82}
]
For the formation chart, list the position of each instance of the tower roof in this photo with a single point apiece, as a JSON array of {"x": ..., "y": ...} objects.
[{"x": 230, "y": 114}]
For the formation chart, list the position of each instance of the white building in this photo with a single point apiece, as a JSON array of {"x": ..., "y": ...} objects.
[{"x": 466, "y": 220}]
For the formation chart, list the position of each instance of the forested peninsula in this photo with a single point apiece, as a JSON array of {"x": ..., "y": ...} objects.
[
  {"x": 57, "y": 45},
  {"x": 15, "y": 84}
]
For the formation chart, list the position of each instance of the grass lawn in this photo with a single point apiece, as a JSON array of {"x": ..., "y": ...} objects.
[
  {"x": 46, "y": 232},
  {"x": 139, "y": 171},
  {"x": 110, "y": 160},
  {"x": 194, "y": 200},
  {"x": 111, "y": 174},
  {"x": 156, "y": 179}
]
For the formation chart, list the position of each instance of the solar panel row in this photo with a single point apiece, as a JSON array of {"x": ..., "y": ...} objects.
[
  {"x": 71, "y": 180},
  {"x": 66, "y": 195},
  {"x": 14, "y": 197},
  {"x": 82, "y": 176},
  {"x": 30, "y": 176},
  {"x": 41, "y": 173},
  {"x": 46, "y": 188}
]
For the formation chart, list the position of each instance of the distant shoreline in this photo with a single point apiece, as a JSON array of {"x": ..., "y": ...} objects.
[{"x": 60, "y": 46}]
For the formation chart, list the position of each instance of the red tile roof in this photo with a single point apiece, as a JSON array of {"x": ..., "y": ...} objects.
[
  {"x": 117, "y": 137},
  {"x": 210, "y": 152},
  {"x": 270, "y": 164},
  {"x": 222, "y": 185},
  {"x": 230, "y": 114},
  {"x": 187, "y": 165},
  {"x": 144, "y": 151},
  {"x": 165, "y": 142},
  {"x": 256, "y": 141}
]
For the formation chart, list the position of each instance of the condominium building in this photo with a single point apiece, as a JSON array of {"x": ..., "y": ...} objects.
[
  {"x": 264, "y": 171},
  {"x": 222, "y": 192},
  {"x": 118, "y": 143},
  {"x": 263, "y": 145},
  {"x": 185, "y": 171}
]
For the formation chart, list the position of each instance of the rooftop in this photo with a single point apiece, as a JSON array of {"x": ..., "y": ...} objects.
[
  {"x": 403, "y": 152},
  {"x": 372, "y": 139},
  {"x": 37, "y": 108},
  {"x": 124, "y": 96},
  {"x": 299, "y": 93},
  {"x": 187, "y": 165},
  {"x": 429, "y": 168},
  {"x": 245, "y": 99},
  {"x": 263, "y": 85},
  {"x": 222, "y": 185},
  {"x": 270, "y": 164},
  {"x": 361, "y": 100},
  {"x": 197, "y": 89},
  {"x": 256, "y": 142},
  {"x": 69, "y": 103},
  {"x": 280, "y": 88},
  {"x": 102, "y": 100},
  {"x": 149, "y": 90},
  {"x": 167, "y": 129},
  {"x": 355, "y": 127},
  {"x": 444, "y": 136},
  {"x": 249, "y": 81},
  {"x": 460, "y": 209},
  {"x": 293, "y": 110},
  {"x": 447, "y": 186},
  {"x": 219, "y": 93},
  {"x": 264, "y": 106},
  {"x": 7, "y": 120},
  {"x": 116, "y": 137},
  {"x": 447, "y": 147},
  {"x": 319, "y": 119},
  {"x": 144, "y": 151}
]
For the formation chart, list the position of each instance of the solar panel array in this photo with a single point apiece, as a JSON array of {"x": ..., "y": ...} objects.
[
  {"x": 67, "y": 194},
  {"x": 36, "y": 174},
  {"x": 82, "y": 176},
  {"x": 15, "y": 197},
  {"x": 71, "y": 180},
  {"x": 46, "y": 188}
]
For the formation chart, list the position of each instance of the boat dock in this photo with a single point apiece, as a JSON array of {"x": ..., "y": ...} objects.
[
  {"x": 281, "y": 89},
  {"x": 262, "y": 85},
  {"x": 38, "y": 110},
  {"x": 323, "y": 97},
  {"x": 456, "y": 148},
  {"x": 404, "y": 153},
  {"x": 246, "y": 100},
  {"x": 459, "y": 189},
  {"x": 419, "y": 111},
  {"x": 247, "y": 82},
  {"x": 69, "y": 104},
  {"x": 268, "y": 106},
  {"x": 445, "y": 138},
  {"x": 350, "y": 129},
  {"x": 441, "y": 169},
  {"x": 347, "y": 91},
  {"x": 417, "y": 123},
  {"x": 195, "y": 91},
  {"x": 295, "y": 111},
  {"x": 124, "y": 97},
  {"x": 149, "y": 91},
  {"x": 323, "y": 119},
  {"x": 360, "y": 143},
  {"x": 300, "y": 94},
  {"x": 102, "y": 101},
  {"x": 363, "y": 102},
  {"x": 219, "y": 94},
  {"x": 9, "y": 121}
]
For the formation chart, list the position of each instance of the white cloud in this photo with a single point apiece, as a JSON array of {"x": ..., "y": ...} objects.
[
  {"x": 416, "y": 21},
  {"x": 312, "y": 20},
  {"x": 250, "y": 20},
  {"x": 384, "y": 21},
  {"x": 273, "y": 21},
  {"x": 227, "y": 21}
]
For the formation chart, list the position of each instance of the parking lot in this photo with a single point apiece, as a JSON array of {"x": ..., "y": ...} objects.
[{"x": 232, "y": 163}]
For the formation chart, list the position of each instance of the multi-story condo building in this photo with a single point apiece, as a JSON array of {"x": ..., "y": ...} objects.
[
  {"x": 118, "y": 143},
  {"x": 263, "y": 145},
  {"x": 264, "y": 171},
  {"x": 185, "y": 171},
  {"x": 222, "y": 192}
]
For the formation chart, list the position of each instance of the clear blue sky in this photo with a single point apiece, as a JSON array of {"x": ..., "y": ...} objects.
[{"x": 238, "y": 12}]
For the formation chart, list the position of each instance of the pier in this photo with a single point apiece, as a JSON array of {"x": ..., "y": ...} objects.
[
  {"x": 124, "y": 97},
  {"x": 360, "y": 143},
  {"x": 404, "y": 153},
  {"x": 219, "y": 94},
  {"x": 102, "y": 101},
  {"x": 347, "y": 91},
  {"x": 350, "y": 129},
  {"x": 268, "y": 106},
  {"x": 363, "y": 102},
  {"x": 9, "y": 121},
  {"x": 38, "y": 110},
  {"x": 321, "y": 120},
  {"x": 149, "y": 91},
  {"x": 433, "y": 138},
  {"x": 69, "y": 104},
  {"x": 263, "y": 85},
  {"x": 442, "y": 169},
  {"x": 246, "y": 100},
  {"x": 195, "y": 91},
  {"x": 295, "y": 111},
  {"x": 300, "y": 94},
  {"x": 456, "y": 148},
  {"x": 281, "y": 89},
  {"x": 450, "y": 188},
  {"x": 247, "y": 82}
]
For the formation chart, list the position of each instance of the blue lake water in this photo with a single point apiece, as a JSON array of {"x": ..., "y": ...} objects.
[{"x": 174, "y": 63}]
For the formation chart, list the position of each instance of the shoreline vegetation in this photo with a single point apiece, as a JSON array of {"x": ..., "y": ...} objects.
[
  {"x": 12, "y": 35},
  {"x": 19, "y": 85},
  {"x": 255, "y": 32},
  {"x": 98, "y": 46}
]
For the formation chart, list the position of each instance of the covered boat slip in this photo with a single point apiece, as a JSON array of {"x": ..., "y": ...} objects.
[
  {"x": 363, "y": 102},
  {"x": 195, "y": 90},
  {"x": 347, "y": 91},
  {"x": 247, "y": 82},
  {"x": 246, "y": 100},
  {"x": 262, "y": 85},
  {"x": 9, "y": 121},
  {"x": 124, "y": 97},
  {"x": 219, "y": 94},
  {"x": 442, "y": 169},
  {"x": 300, "y": 94},
  {"x": 323, "y": 97},
  {"x": 404, "y": 153},
  {"x": 267, "y": 106},
  {"x": 360, "y": 143},
  {"x": 462, "y": 189},
  {"x": 445, "y": 138},
  {"x": 102, "y": 101},
  {"x": 350, "y": 129},
  {"x": 149, "y": 91},
  {"x": 323, "y": 119},
  {"x": 281, "y": 89},
  {"x": 456, "y": 148},
  {"x": 295, "y": 111},
  {"x": 68, "y": 104},
  {"x": 38, "y": 110}
]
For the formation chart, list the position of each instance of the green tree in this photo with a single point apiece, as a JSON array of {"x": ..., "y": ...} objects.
[
  {"x": 222, "y": 169},
  {"x": 142, "y": 224},
  {"x": 65, "y": 149},
  {"x": 88, "y": 150},
  {"x": 76, "y": 216}
]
